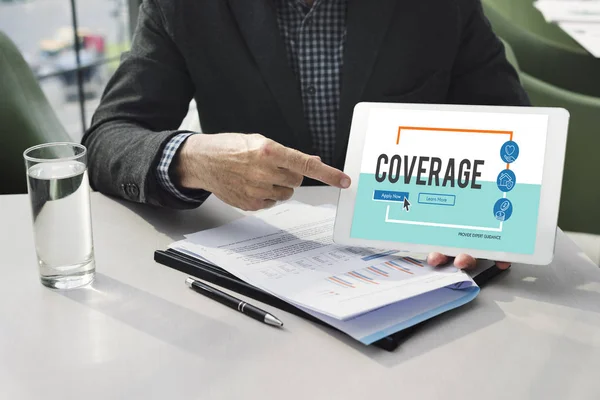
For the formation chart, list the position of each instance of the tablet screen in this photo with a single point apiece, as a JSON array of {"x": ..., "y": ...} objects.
[{"x": 451, "y": 178}]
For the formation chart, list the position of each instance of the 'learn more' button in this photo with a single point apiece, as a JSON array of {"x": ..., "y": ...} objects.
[
  {"x": 437, "y": 199},
  {"x": 386, "y": 195}
]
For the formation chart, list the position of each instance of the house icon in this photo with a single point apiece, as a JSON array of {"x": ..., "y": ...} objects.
[{"x": 505, "y": 180}]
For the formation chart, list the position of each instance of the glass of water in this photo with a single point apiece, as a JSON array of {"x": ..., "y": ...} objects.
[{"x": 59, "y": 190}]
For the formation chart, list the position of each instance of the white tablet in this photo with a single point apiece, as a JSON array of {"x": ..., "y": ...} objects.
[{"x": 481, "y": 180}]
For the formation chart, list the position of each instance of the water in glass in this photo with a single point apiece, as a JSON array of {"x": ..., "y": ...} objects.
[{"x": 60, "y": 202}]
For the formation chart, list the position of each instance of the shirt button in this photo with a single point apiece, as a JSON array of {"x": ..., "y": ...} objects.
[{"x": 311, "y": 90}]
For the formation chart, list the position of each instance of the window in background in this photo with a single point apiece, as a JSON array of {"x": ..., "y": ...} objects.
[{"x": 44, "y": 32}]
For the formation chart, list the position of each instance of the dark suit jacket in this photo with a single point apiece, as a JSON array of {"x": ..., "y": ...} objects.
[{"x": 230, "y": 57}]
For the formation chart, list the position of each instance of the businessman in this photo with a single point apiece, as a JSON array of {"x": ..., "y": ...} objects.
[{"x": 275, "y": 82}]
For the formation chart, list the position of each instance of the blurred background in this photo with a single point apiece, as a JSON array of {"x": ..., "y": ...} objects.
[
  {"x": 43, "y": 31},
  {"x": 72, "y": 47}
]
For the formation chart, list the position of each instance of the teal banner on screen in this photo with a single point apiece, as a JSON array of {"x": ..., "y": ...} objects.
[{"x": 448, "y": 217}]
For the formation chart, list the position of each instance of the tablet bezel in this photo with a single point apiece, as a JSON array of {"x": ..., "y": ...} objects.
[{"x": 558, "y": 119}]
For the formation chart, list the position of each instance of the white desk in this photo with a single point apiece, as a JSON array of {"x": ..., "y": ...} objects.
[{"x": 140, "y": 333}]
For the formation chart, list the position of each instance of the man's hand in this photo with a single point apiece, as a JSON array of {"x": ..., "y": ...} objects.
[
  {"x": 250, "y": 172},
  {"x": 462, "y": 261}
]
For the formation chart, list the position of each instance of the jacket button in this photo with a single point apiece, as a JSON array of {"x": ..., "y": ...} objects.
[{"x": 134, "y": 191}]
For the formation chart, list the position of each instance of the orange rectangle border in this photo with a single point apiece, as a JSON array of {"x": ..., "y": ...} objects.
[{"x": 484, "y": 131}]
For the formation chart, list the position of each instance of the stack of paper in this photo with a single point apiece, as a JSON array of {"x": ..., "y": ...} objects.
[
  {"x": 586, "y": 34},
  {"x": 368, "y": 293},
  {"x": 579, "y": 18}
]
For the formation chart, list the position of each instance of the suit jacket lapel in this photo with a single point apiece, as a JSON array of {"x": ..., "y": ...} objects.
[
  {"x": 367, "y": 24},
  {"x": 257, "y": 21}
]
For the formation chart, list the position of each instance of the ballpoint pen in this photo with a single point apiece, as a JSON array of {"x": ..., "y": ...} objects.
[{"x": 232, "y": 302}]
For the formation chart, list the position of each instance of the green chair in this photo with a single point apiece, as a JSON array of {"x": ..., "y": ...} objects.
[
  {"x": 26, "y": 117},
  {"x": 580, "y": 196},
  {"x": 543, "y": 50},
  {"x": 523, "y": 13}
]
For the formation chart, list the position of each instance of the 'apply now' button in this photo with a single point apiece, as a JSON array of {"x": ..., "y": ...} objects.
[
  {"x": 437, "y": 199},
  {"x": 387, "y": 195}
]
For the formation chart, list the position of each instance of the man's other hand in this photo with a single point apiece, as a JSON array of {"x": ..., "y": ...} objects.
[
  {"x": 249, "y": 171},
  {"x": 462, "y": 261}
]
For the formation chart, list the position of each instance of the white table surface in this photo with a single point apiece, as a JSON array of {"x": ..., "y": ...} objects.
[{"x": 139, "y": 333}]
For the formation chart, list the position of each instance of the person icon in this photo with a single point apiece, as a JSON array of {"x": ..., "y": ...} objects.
[{"x": 509, "y": 152}]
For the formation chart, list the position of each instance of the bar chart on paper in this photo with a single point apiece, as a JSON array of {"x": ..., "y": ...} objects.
[
  {"x": 321, "y": 260},
  {"x": 390, "y": 272},
  {"x": 376, "y": 280}
]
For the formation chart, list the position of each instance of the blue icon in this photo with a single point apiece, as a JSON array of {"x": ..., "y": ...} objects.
[
  {"x": 506, "y": 180},
  {"x": 509, "y": 151},
  {"x": 503, "y": 209}
]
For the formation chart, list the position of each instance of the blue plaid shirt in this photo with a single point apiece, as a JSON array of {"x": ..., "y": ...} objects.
[{"x": 314, "y": 38}]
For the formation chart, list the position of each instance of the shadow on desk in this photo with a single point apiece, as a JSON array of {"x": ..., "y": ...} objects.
[
  {"x": 572, "y": 280},
  {"x": 170, "y": 323},
  {"x": 435, "y": 333},
  {"x": 553, "y": 302},
  {"x": 556, "y": 300},
  {"x": 176, "y": 223}
]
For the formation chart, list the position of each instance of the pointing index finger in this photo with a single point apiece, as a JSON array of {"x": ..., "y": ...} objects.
[{"x": 313, "y": 167}]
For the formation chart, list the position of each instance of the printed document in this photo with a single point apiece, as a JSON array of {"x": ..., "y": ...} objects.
[
  {"x": 368, "y": 293},
  {"x": 586, "y": 34},
  {"x": 569, "y": 10}
]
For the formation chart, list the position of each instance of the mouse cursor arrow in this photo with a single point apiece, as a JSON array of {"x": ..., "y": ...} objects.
[{"x": 406, "y": 205}]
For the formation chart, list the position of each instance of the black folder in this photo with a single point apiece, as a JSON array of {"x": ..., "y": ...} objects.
[{"x": 218, "y": 276}]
